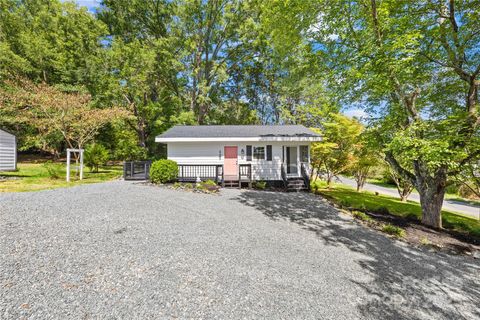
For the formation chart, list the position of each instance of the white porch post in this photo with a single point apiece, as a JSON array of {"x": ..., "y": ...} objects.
[
  {"x": 69, "y": 152},
  {"x": 299, "y": 165},
  {"x": 81, "y": 164},
  {"x": 68, "y": 165}
]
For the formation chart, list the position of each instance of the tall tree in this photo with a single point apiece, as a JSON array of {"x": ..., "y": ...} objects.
[
  {"x": 335, "y": 153},
  {"x": 69, "y": 114},
  {"x": 216, "y": 40},
  {"x": 48, "y": 41},
  {"x": 415, "y": 63},
  {"x": 138, "y": 68}
]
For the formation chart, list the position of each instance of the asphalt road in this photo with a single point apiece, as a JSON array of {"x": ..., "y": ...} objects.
[{"x": 119, "y": 250}]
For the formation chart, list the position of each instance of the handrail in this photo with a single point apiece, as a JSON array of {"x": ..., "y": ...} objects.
[
  {"x": 284, "y": 176},
  {"x": 245, "y": 170},
  {"x": 305, "y": 174}
]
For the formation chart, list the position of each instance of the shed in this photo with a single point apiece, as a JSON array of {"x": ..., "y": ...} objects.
[{"x": 8, "y": 151}]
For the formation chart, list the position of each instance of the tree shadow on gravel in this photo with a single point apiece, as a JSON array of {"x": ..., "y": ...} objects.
[{"x": 409, "y": 283}]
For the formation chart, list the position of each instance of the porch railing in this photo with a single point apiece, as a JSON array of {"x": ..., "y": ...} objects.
[
  {"x": 284, "y": 176},
  {"x": 245, "y": 172},
  {"x": 190, "y": 172}
]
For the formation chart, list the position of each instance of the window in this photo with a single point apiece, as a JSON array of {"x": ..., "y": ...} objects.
[
  {"x": 259, "y": 153},
  {"x": 303, "y": 153},
  {"x": 269, "y": 152}
]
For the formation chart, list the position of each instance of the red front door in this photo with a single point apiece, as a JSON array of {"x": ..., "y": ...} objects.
[{"x": 231, "y": 163}]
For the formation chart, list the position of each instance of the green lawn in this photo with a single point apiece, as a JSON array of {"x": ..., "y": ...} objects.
[
  {"x": 367, "y": 201},
  {"x": 34, "y": 177}
]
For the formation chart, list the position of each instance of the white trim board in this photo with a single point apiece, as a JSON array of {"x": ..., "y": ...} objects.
[{"x": 240, "y": 139}]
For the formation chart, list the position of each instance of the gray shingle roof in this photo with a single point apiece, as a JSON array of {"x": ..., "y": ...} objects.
[{"x": 238, "y": 131}]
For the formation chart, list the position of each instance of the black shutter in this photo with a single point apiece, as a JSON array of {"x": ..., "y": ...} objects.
[
  {"x": 269, "y": 152},
  {"x": 249, "y": 153}
]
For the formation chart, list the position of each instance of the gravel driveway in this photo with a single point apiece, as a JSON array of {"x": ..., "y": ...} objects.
[{"x": 124, "y": 250}]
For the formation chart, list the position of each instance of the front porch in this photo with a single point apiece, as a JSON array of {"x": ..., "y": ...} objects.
[{"x": 290, "y": 181}]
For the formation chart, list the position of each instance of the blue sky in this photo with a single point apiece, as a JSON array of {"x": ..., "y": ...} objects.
[{"x": 90, "y": 4}]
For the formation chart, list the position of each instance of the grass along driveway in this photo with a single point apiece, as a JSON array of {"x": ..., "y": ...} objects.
[
  {"x": 367, "y": 201},
  {"x": 451, "y": 203},
  {"x": 35, "y": 177}
]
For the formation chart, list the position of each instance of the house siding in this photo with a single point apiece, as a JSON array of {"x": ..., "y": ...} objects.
[
  {"x": 8, "y": 151},
  {"x": 213, "y": 153}
]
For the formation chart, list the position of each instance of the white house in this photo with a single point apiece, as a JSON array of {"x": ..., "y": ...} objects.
[
  {"x": 232, "y": 154},
  {"x": 8, "y": 151}
]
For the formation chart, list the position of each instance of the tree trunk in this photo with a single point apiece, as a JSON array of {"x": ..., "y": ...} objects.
[
  {"x": 360, "y": 179},
  {"x": 431, "y": 187},
  {"x": 329, "y": 181},
  {"x": 403, "y": 198},
  {"x": 431, "y": 201},
  {"x": 142, "y": 135}
]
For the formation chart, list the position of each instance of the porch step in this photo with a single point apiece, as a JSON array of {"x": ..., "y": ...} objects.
[
  {"x": 296, "y": 185},
  {"x": 231, "y": 183}
]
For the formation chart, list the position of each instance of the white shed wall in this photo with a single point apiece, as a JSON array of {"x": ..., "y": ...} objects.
[
  {"x": 8, "y": 151},
  {"x": 212, "y": 153}
]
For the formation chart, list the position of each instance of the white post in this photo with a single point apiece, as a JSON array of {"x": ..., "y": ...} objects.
[
  {"x": 68, "y": 165},
  {"x": 81, "y": 164}
]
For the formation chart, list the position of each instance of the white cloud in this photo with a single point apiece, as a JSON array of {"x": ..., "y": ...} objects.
[{"x": 355, "y": 112}]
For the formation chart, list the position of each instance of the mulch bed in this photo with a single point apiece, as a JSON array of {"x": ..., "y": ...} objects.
[{"x": 420, "y": 235}]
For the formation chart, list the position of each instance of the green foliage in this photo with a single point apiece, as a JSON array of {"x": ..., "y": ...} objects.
[
  {"x": 366, "y": 201},
  {"x": 209, "y": 183},
  {"x": 334, "y": 154},
  {"x": 53, "y": 170},
  {"x": 260, "y": 185},
  {"x": 394, "y": 230},
  {"x": 95, "y": 155},
  {"x": 400, "y": 59},
  {"x": 126, "y": 145},
  {"x": 207, "y": 186},
  {"x": 163, "y": 171},
  {"x": 361, "y": 216}
]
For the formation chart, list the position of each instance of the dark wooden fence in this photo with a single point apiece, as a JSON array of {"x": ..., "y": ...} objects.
[{"x": 136, "y": 170}]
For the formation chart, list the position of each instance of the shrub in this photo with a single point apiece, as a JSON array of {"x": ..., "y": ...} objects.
[
  {"x": 394, "y": 230},
  {"x": 424, "y": 241},
  {"x": 208, "y": 186},
  {"x": 261, "y": 185},
  {"x": 53, "y": 170},
  {"x": 163, "y": 171},
  {"x": 362, "y": 216},
  {"x": 209, "y": 183},
  {"x": 95, "y": 156}
]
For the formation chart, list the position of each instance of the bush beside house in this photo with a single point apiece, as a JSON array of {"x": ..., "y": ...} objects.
[{"x": 163, "y": 171}]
